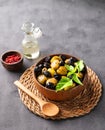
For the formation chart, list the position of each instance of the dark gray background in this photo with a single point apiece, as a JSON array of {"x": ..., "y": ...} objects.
[{"x": 75, "y": 27}]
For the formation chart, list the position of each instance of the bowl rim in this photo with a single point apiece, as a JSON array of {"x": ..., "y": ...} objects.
[
  {"x": 53, "y": 55},
  {"x": 10, "y": 51}
]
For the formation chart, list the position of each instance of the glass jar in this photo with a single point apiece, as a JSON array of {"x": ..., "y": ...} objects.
[{"x": 30, "y": 45}]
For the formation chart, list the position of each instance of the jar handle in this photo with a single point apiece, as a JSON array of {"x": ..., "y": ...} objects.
[{"x": 37, "y": 32}]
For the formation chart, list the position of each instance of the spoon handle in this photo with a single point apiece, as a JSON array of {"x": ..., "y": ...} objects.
[{"x": 38, "y": 100}]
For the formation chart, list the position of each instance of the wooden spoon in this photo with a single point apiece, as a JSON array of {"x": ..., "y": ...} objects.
[{"x": 47, "y": 108}]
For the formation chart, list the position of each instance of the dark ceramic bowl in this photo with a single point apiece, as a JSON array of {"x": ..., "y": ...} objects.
[
  {"x": 15, "y": 66},
  {"x": 60, "y": 95}
]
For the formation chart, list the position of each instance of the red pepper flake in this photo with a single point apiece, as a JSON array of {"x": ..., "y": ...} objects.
[{"x": 12, "y": 58}]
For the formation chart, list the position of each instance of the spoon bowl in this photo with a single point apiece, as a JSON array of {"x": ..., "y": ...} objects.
[
  {"x": 50, "y": 109},
  {"x": 47, "y": 108}
]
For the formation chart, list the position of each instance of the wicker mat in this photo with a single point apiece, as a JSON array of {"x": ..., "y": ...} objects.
[{"x": 79, "y": 106}]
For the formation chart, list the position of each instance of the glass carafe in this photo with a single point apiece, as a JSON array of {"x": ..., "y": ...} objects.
[{"x": 30, "y": 45}]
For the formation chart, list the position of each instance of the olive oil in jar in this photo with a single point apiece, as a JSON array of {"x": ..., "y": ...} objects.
[{"x": 30, "y": 45}]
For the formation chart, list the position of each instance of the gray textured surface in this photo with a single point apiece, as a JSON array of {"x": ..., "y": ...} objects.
[{"x": 75, "y": 27}]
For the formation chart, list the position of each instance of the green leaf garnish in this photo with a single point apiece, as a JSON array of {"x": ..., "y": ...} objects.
[
  {"x": 69, "y": 67},
  {"x": 64, "y": 82},
  {"x": 72, "y": 72},
  {"x": 80, "y": 65},
  {"x": 76, "y": 79}
]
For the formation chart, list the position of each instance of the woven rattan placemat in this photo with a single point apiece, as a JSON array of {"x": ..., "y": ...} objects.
[{"x": 79, "y": 106}]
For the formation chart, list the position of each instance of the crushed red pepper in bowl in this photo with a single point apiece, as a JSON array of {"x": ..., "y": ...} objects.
[{"x": 12, "y": 60}]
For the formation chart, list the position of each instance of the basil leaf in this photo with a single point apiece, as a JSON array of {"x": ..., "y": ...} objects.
[
  {"x": 72, "y": 72},
  {"x": 80, "y": 65},
  {"x": 76, "y": 79},
  {"x": 64, "y": 82},
  {"x": 69, "y": 67}
]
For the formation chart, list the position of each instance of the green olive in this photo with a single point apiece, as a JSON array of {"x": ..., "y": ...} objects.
[
  {"x": 44, "y": 69},
  {"x": 52, "y": 71},
  {"x": 42, "y": 79},
  {"x": 55, "y": 58},
  {"x": 64, "y": 76},
  {"x": 68, "y": 87},
  {"x": 67, "y": 61},
  {"x": 55, "y": 64},
  {"x": 80, "y": 75},
  {"x": 62, "y": 70},
  {"x": 52, "y": 80}
]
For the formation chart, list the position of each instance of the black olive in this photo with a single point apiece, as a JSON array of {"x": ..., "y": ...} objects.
[
  {"x": 47, "y": 59},
  {"x": 62, "y": 63},
  {"x": 57, "y": 76},
  {"x": 40, "y": 66},
  {"x": 50, "y": 85},
  {"x": 47, "y": 73},
  {"x": 37, "y": 69},
  {"x": 72, "y": 60},
  {"x": 46, "y": 64},
  {"x": 63, "y": 57}
]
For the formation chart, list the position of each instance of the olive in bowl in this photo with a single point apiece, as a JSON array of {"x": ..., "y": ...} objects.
[
  {"x": 12, "y": 60},
  {"x": 63, "y": 78}
]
